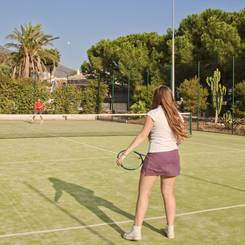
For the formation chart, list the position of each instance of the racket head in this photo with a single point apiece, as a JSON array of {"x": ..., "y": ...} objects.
[{"x": 133, "y": 161}]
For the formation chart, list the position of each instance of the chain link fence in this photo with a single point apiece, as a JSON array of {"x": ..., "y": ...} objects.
[{"x": 231, "y": 117}]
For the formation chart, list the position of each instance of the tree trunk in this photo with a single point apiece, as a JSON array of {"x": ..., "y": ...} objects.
[
  {"x": 216, "y": 116},
  {"x": 39, "y": 65},
  {"x": 14, "y": 73},
  {"x": 32, "y": 64},
  {"x": 54, "y": 69},
  {"x": 26, "y": 65}
]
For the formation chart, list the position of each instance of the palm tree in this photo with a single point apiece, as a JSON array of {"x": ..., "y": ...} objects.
[
  {"x": 30, "y": 53},
  {"x": 50, "y": 58}
]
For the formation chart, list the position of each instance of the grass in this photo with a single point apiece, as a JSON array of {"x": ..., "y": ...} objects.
[{"x": 53, "y": 183}]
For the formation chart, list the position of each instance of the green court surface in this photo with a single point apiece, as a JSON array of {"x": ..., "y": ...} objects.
[{"x": 68, "y": 190}]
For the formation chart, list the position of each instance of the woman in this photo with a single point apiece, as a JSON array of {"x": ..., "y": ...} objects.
[{"x": 165, "y": 129}]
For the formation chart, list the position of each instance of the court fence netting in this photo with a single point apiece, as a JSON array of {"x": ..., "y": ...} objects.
[{"x": 14, "y": 126}]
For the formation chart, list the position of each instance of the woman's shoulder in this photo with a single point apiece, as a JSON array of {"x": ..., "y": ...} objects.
[{"x": 154, "y": 113}]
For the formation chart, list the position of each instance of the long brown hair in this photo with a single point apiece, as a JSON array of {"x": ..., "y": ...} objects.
[{"x": 163, "y": 97}]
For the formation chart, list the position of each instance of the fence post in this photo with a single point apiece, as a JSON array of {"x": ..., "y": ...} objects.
[
  {"x": 191, "y": 123},
  {"x": 233, "y": 96},
  {"x": 98, "y": 97},
  {"x": 147, "y": 77},
  {"x": 129, "y": 78},
  {"x": 112, "y": 92},
  {"x": 198, "y": 95}
]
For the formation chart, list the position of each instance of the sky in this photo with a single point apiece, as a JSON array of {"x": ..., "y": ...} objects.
[{"x": 82, "y": 23}]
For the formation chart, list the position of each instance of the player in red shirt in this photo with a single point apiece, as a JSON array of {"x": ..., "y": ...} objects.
[{"x": 38, "y": 107}]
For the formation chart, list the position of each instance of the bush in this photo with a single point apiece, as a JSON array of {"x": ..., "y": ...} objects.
[
  {"x": 240, "y": 100},
  {"x": 92, "y": 98},
  {"x": 18, "y": 96},
  {"x": 65, "y": 99},
  {"x": 227, "y": 120},
  {"x": 5, "y": 70},
  {"x": 189, "y": 92},
  {"x": 142, "y": 98},
  {"x": 139, "y": 107}
]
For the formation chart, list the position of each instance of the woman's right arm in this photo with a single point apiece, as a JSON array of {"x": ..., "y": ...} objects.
[{"x": 143, "y": 134}]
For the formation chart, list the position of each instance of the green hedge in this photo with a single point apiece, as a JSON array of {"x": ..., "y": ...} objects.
[
  {"x": 65, "y": 99},
  {"x": 18, "y": 96},
  {"x": 92, "y": 97}
]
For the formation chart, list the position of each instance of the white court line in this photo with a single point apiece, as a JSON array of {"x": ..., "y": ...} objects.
[
  {"x": 206, "y": 152},
  {"x": 91, "y": 146},
  {"x": 28, "y": 233},
  {"x": 101, "y": 157},
  {"x": 57, "y": 160},
  {"x": 217, "y": 146},
  {"x": 106, "y": 150}
]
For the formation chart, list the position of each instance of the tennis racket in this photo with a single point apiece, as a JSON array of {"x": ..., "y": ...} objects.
[{"x": 133, "y": 161}]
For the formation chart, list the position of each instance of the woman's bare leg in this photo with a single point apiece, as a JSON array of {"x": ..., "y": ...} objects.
[
  {"x": 145, "y": 186},
  {"x": 167, "y": 189}
]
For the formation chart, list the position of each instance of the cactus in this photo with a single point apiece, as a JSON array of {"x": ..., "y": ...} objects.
[
  {"x": 227, "y": 119},
  {"x": 217, "y": 91}
]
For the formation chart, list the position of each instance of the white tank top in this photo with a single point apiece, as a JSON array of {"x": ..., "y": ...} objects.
[{"x": 161, "y": 136}]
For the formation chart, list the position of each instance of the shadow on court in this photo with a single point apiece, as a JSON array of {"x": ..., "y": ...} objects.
[
  {"x": 94, "y": 232},
  {"x": 212, "y": 182},
  {"x": 88, "y": 199}
]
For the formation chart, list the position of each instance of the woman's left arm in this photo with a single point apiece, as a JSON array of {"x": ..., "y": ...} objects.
[{"x": 143, "y": 134}]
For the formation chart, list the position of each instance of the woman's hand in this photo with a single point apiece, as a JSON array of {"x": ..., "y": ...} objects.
[
  {"x": 120, "y": 159},
  {"x": 179, "y": 141}
]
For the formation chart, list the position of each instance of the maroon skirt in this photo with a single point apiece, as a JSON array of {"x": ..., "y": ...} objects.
[{"x": 161, "y": 163}]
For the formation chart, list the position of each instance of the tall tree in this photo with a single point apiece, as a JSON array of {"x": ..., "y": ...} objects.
[
  {"x": 140, "y": 56},
  {"x": 30, "y": 54}
]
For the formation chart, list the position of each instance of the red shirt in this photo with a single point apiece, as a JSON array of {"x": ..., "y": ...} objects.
[{"x": 38, "y": 106}]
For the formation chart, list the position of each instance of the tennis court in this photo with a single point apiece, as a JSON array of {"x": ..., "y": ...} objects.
[{"x": 68, "y": 190}]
